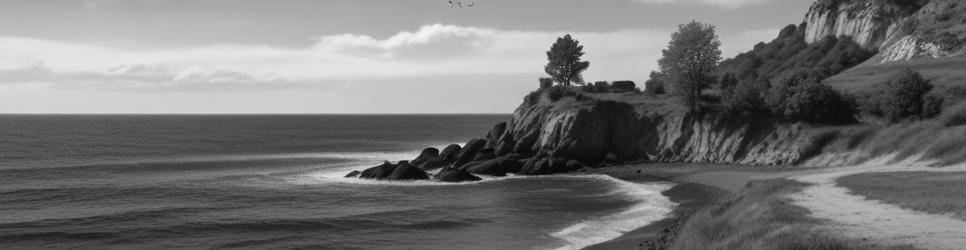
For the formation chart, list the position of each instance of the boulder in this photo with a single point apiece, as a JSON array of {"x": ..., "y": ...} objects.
[
  {"x": 455, "y": 175},
  {"x": 469, "y": 152},
  {"x": 406, "y": 172},
  {"x": 378, "y": 172},
  {"x": 495, "y": 167},
  {"x": 433, "y": 165},
  {"x": 428, "y": 154},
  {"x": 450, "y": 153},
  {"x": 493, "y": 137},
  {"x": 545, "y": 166},
  {"x": 353, "y": 174},
  {"x": 574, "y": 165},
  {"x": 485, "y": 154}
]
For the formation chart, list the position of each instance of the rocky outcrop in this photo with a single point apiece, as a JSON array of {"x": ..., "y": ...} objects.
[
  {"x": 455, "y": 175},
  {"x": 403, "y": 171},
  {"x": 900, "y": 29}
]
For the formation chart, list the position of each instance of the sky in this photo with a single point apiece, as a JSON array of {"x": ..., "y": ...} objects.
[{"x": 336, "y": 56}]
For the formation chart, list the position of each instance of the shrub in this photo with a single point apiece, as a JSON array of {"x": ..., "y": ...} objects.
[
  {"x": 802, "y": 97},
  {"x": 955, "y": 115},
  {"x": 745, "y": 98},
  {"x": 546, "y": 82},
  {"x": 904, "y": 98},
  {"x": 624, "y": 86},
  {"x": 655, "y": 85},
  {"x": 555, "y": 93}
]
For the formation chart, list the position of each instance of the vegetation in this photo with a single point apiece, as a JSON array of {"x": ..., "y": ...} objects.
[
  {"x": 760, "y": 218},
  {"x": 954, "y": 116},
  {"x": 743, "y": 97},
  {"x": 655, "y": 83},
  {"x": 789, "y": 53},
  {"x": 932, "y": 192},
  {"x": 616, "y": 87},
  {"x": 546, "y": 82},
  {"x": 690, "y": 61},
  {"x": 564, "y": 64},
  {"x": 802, "y": 97},
  {"x": 905, "y": 97}
]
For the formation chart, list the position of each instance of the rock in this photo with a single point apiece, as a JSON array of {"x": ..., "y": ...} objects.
[
  {"x": 574, "y": 164},
  {"x": 433, "y": 165},
  {"x": 406, "y": 172},
  {"x": 353, "y": 174},
  {"x": 455, "y": 175},
  {"x": 428, "y": 154},
  {"x": 545, "y": 166},
  {"x": 469, "y": 152},
  {"x": 495, "y": 167},
  {"x": 485, "y": 154},
  {"x": 611, "y": 158},
  {"x": 450, "y": 153},
  {"x": 378, "y": 172},
  {"x": 493, "y": 137}
]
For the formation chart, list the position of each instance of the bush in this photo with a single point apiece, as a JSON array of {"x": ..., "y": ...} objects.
[
  {"x": 555, "y": 93},
  {"x": 655, "y": 85},
  {"x": 904, "y": 98},
  {"x": 624, "y": 86},
  {"x": 546, "y": 82},
  {"x": 955, "y": 115},
  {"x": 802, "y": 97},
  {"x": 744, "y": 98}
]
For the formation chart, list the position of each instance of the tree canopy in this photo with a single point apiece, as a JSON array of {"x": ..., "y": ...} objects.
[
  {"x": 690, "y": 60},
  {"x": 563, "y": 61}
]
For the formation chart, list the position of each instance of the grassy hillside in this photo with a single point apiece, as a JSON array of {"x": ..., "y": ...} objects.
[{"x": 948, "y": 73}]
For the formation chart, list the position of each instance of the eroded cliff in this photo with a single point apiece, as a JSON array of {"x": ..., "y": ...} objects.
[{"x": 899, "y": 29}]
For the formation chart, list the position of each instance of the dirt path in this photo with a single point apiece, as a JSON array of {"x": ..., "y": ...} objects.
[{"x": 857, "y": 217}]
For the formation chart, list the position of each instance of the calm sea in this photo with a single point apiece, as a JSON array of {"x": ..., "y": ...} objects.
[{"x": 275, "y": 182}]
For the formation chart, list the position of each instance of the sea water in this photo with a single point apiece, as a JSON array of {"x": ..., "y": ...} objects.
[{"x": 276, "y": 182}]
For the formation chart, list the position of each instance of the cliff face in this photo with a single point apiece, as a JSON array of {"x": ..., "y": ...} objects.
[
  {"x": 899, "y": 29},
  {"x": 589, "y": 131}
]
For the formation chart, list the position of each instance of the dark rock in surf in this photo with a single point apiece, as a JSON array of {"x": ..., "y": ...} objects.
[
  {"x": 469, "y": 152},
  {"x": 378, "y": 172},
  {"x": 574, "y": 165},
  {"x": 495, "y": 167},
  {"x": 450, "y": 153},
  {"x": 545, "y": 166},
  {"x": 407, "y": 172},
  {"x": 485, "y": 154},
  {"x": 353, "y": 174},
  {"x": 455, "y": 175},
  {"x": 428, "y": 154}
]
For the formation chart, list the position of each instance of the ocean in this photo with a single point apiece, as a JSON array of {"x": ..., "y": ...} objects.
[{"x": 276, "y": 182}]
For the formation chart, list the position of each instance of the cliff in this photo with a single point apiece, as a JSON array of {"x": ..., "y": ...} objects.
[
  {"x": 899, "y": 29},
  {"x": 594, "y": 130}
]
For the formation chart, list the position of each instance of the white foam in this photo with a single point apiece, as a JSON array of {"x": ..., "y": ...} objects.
[{"x": 651, "y": 206}]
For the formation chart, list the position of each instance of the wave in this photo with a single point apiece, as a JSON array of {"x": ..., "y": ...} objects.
[{"x": 651, "y": 206}]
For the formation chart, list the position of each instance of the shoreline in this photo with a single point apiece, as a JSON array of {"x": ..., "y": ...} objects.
[{"x": 688, "y": 197}]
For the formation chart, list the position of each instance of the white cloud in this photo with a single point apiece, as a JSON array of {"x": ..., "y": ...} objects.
[
  {"x": 730, "y": 4},
  {"x": 431, "y": 50}
]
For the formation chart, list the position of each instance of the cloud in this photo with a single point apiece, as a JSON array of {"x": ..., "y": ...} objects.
[
  {"x": 431, "y": 50},
  {"x": 730, "y": 4}
]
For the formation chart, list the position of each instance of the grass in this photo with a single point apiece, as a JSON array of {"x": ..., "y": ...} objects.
[
  {"x": 944, "y": 73},
  {"x": 931, "y": 192},
  {"x": 761, "y": 217}
]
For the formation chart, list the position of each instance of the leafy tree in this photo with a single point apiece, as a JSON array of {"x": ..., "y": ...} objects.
[
  {"x": 803, "y": 97},
  {"x": 564, "y": 64},
  {"x": 690, "y": 61},
  {"x": 904, "y": 97},
  {"x": 655, "y": 85},
  {"x": 546, "y": 82}
]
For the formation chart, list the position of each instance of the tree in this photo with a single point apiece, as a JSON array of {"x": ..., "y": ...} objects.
[
  {"x": 690, "y": 61},
  {"x": 903, "y": 97},
  {"x": 564, "y": 64},
  {"x": 655, "y": 85}
]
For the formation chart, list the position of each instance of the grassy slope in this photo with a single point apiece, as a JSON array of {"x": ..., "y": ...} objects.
[
  {"x": 944, "y": 72},
  {"x": 761, "y": 217},
  {"x": 924, "y": 191}
]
